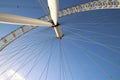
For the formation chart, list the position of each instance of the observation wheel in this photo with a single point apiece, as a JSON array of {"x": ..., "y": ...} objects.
[{"x": 83, "y": 44}]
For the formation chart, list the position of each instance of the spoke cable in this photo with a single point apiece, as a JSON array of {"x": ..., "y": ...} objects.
[
  {"x": 95, "y": 42},
  {"x": 86, "y": 50}
]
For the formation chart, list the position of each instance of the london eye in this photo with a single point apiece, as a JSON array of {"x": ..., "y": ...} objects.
[{"x": 63, "y": 40}]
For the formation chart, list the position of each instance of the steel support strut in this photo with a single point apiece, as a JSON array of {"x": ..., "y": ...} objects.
[{"x": 58, "y": 32}]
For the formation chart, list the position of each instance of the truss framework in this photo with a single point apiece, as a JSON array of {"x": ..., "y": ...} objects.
[{"x": 95, "y": 5}]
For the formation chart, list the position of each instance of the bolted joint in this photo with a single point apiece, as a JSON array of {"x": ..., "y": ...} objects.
[{"x": 54, "y": 24}]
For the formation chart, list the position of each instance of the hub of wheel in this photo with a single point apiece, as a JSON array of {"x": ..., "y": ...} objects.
[{"x": 58, "y": 32}]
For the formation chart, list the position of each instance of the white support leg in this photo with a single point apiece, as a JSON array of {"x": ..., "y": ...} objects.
[{"x": 58, "y": 32}]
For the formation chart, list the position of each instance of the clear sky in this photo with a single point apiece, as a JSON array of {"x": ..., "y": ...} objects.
[{"x": 89, "y": 50}]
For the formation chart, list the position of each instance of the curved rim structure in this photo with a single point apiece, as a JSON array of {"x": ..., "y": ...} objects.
[{"x": 95, "y": 5}]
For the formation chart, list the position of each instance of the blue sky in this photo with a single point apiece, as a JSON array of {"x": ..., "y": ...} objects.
[{"x": 90, "y": 49}]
